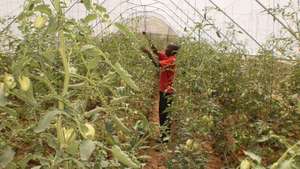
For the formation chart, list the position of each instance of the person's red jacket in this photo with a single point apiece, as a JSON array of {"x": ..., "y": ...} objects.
[{"x": 167, "y": 72}]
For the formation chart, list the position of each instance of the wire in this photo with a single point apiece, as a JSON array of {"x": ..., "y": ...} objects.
[
  {"x": 136, "y": 12},
  {"x": 189, "y": 18},
  {"x": 71, "y": 6},
  {"x": 137, "y": 6},
  {"x": 214, "y": 26},
  {"x": 158, "y": 2},
  {"x": 159, "y": 16},
  {"x": 232, "y": 20},
  {"x": 10, "y": 23},
  {"x": 119, "y": 4},
  {"x": 128, "y": 9},
  {"x": 174, "y": 13},
  {"x": 141, "y": 12},
  {"x": 103, "y": 2},
  {"x": 278, "y": 20}
]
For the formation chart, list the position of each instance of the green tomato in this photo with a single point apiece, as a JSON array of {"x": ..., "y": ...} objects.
[
  {"x": 39, "y": 22},
  {"x": 89, "y": 133},
  {"x": 189, "y": 144},
  {"x": 9, "y": 81},
  {"x": 245, "y": 164},
  {"x": 24, "y": 82}
]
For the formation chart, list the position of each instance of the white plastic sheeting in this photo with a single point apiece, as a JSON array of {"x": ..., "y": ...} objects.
[{"x": 183, "y": 15}]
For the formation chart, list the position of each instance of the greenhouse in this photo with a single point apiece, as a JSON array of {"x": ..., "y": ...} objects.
[{"x": 149, "y": 84}]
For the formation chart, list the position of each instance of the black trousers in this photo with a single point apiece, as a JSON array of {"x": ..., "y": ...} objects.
[{"x": 165, "y": 102}]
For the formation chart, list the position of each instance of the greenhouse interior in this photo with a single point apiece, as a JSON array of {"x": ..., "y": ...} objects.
[{"x": 149, "y": 84}]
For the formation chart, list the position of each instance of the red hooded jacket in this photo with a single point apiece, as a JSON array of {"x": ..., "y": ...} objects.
[{"x": 167, "y": 72}]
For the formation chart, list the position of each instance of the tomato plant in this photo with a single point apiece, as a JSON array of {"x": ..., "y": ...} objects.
[
  {"x": 72, "y": 100},
  {"x": 61, "y": 94}
]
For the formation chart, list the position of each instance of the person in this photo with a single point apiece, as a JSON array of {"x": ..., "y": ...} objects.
[{"x": 165, "y": 60}]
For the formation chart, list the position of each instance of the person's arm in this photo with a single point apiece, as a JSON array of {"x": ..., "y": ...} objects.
[
  {"x": 167, "y": 62},
  {"x": 151, "y": 57},
  {"x": 154, "y": 50}
]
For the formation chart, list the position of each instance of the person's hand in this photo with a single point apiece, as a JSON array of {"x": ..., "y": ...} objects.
[
  {"x": 153, "y": 48},
  {"x": 145, "y": 50},
  {"x": 170, "y": 88}
]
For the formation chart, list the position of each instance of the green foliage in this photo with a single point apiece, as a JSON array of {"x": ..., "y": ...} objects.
[
  {"x": 90, "y": 96},
  {"x": 56, "y": 114},
  {"x": 7, "y": 155},
  {"x": 46, "y": 120},
  {"x": 86, "y": 149},
  {"x": 123, "y": 157},
  {"x": 125, "y": 76}
]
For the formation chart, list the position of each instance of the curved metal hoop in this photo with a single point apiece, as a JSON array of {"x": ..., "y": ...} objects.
[
  {"x": 140, "y": 14},
  {"x": 163, "y": 10},
  {"x": 134, "y": 7}
]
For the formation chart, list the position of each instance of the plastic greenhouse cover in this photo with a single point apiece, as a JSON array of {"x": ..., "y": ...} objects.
[{"x": 254, "y": 26}]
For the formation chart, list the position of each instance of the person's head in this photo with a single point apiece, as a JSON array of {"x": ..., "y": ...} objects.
[{"x": 172, "y": 49}]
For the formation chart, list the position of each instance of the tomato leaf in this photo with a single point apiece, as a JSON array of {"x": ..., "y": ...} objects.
[
  {"x": 6, "y": 157},
  {"x": 287, "y": 164},
  {"x": 52, "y": 26},
  {"x": 86, "y": 149},
  {"x": 253, "y": 156},
  {"x": 89, "y": 18},
  {"x": 123, "y": 157},
  {"x": 87, "y": 4},
  {"x": 78, "y": 163},
  {"x": 100, "y": 8},
  {"x": 120, "y": 125},
  {"x": 44, "y": 9},
  {"x": 92, "y": 63},
  {"x": 125, "y": 76},
  {"x": 46, "y": 120},
  {"x": 122, "y": 28},
  {"x": 57, "y": 4},
  {"x": 91, "y": 50}
]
